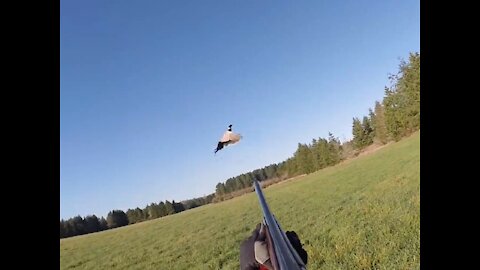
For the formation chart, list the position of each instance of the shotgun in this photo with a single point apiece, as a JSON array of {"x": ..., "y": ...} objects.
[{"x": 283, "y": 256}]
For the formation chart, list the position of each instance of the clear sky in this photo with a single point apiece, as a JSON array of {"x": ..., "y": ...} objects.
[{"x": 147, "y": 88}]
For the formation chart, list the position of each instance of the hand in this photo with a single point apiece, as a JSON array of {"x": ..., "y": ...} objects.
[
  {"x": 247, "y": 251},
  {"x": 247, "y": 248},
  {"x": 297, "y": 245}
]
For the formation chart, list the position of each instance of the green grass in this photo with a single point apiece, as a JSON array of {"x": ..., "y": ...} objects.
[{"x": 361, "y": 214}]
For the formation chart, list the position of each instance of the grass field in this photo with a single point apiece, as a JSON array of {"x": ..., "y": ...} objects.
[{"x": 361, "y": 214}]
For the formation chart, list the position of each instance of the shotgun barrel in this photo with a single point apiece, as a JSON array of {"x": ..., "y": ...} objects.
[{"x": 286, "y": 256}]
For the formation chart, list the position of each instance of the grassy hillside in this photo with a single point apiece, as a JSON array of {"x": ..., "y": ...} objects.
[{"x": 361, "y": 214}]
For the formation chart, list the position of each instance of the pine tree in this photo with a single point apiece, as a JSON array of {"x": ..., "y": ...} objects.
[
  {"x": 131, "y": 215},
  {"x": 220, "y": 189},
  {"x": 372, "y": 119},
  {"x": 92, "y": 224},
  {"x": 304, "y": 159},
  {"x": 402, "y": 99},
  {"x": 62, "y": 229},
  {"x": 394, "y": 120},
  {"x": 321, "y": 155},
  {"x": 409, "y": 84},
  {"x": 334, "y": 148},
  {"x": 103, "y": 224},
  {"x": 179, "y": 207},
  {"x": 79, "y": 225},
  {"x": 380, "y": 127},
  {"x": 367, "y": 131},
  {"x": 116, "y": 218},
  {"x": 162, "y": 209},
  {"x": 69, "y": 228},
  {"x": 358, "y": 134},
  {"x": 153, "y": 211},
  {"x": 169, "y": 207}
]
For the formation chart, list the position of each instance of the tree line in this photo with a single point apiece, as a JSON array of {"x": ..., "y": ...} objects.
[
  {"x": 118, "y": 218},
  {"x": 396, "y": 116},
  {"x": 245, "y": 180}
]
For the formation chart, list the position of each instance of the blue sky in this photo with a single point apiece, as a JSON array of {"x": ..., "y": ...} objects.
[{"x": 148, "y": 87}]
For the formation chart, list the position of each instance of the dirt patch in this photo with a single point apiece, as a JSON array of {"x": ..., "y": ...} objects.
[{"x": 372, "y": 148}]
